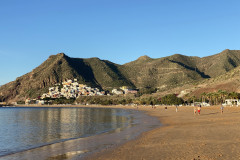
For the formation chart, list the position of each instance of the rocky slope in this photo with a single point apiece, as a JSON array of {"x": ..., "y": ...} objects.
[{"x": 162, "y": 73}]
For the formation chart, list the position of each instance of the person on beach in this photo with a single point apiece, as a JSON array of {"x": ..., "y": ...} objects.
[
  {"x": 165, "y": 108},
  {"x": 195, "y": 110},
  {"x": 221, "y": 109},
  {"x": 176, "y": 108},
  {"x": 199, "y": 109},
  {"x": 151, "y": 104}
]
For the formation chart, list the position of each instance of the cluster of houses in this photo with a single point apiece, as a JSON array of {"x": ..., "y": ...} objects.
[{"x": 71, "y": 89}]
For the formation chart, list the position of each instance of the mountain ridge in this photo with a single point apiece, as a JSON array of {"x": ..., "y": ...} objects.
[{"x": 162, "y": 73}]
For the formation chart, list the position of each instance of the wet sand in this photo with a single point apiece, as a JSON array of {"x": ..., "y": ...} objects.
[
  {"x": 211, "y": 135},
  {"x": 81, "y": 147},
  {"x": 183, "y": 135}
]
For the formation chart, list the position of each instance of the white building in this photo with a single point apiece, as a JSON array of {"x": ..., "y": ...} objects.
[
  {"x": 118, "y": 92},
  {"x": 230, "y": 102}
]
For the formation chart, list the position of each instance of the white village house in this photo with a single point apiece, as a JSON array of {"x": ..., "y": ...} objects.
[{"x": 230, "y": 102}]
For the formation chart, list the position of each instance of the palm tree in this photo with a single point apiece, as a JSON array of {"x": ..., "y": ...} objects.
[
  {"x": 233, "y": 95},
  {"x": 203, "y": 96},
  {"x": 209, "y": 97},
  {"x": 220, "y": 93},
  {"x": 224, "y": 94},
  {"x": 193, "y": 99},
  {"x": 215, "y": 97}
]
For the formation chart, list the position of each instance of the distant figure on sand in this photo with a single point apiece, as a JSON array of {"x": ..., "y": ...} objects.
[
  {"x": 221, "y": 109},
  {"x": 176, "y": 108},
  {"x": 151, "y": 103},
  {"x": 195, "y": 110},
  {"x": 166, "y": 108},
  {"x": 199, "y": 109}
]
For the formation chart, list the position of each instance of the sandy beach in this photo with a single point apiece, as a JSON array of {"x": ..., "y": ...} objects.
[
  {"x": 80, "y": 147},
  {"x": 183, "y": 135}
]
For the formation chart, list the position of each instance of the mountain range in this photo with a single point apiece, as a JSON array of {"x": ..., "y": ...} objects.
[{"x": 167, "y": 73}]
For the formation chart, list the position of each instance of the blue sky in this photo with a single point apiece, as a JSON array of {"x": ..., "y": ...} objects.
[{"x": 116, "y": 30}]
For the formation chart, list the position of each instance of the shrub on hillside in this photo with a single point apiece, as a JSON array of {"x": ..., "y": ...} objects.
[{"x": 171, "y": 99}]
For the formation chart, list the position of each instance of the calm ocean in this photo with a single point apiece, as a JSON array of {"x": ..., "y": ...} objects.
[{"x": 26, "y": 128}]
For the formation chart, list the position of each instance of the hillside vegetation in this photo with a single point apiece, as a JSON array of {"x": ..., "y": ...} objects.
[{"x": 165, "y": 73}]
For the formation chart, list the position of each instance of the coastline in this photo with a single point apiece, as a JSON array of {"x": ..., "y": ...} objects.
[
  {"x": 183, "y": 135},
  {"x": 83, "y": 106},
  {"x": 82, "y": 147}
]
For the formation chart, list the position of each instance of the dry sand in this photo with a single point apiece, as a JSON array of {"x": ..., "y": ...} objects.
[{"x": 211, "y": 135}]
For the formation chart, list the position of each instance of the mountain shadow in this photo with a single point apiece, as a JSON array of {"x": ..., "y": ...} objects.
[{"x": 203, "y": 75}]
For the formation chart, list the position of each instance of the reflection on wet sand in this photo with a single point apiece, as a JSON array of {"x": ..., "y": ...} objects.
[
  {"x": 67, "y": 155},
  {"x": 81, "y": 147},
  {"x": 26, "y": 128}
]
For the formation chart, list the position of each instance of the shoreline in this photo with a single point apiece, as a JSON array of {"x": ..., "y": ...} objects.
[
  {"x": 183, "y": 135},
  {"x": 77, "y": 147},
  {"x": 79, "y": 105}
]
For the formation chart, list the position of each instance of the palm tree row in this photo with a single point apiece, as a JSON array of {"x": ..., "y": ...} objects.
[{"x": 215, "y": 98}]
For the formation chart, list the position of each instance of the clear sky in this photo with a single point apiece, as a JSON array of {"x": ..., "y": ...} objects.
[{"x": 116, "y": 30}]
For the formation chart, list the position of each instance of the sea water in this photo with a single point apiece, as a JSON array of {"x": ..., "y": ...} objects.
[{"x": 24, "y": 128}]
